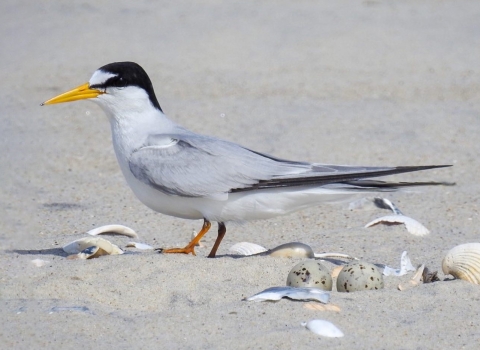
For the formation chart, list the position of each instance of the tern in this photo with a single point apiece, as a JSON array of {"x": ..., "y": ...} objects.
[{"x": 177, "y": 172}]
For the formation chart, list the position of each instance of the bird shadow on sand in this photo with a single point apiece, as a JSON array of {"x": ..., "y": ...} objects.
[{"x": 49, "y": 251}]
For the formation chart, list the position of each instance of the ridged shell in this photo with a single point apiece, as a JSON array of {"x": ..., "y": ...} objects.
[
  {"x": 463, "y": 262},
  {"x": 247, "y": 248}
]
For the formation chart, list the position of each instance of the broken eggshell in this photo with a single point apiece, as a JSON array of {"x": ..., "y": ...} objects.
[
  {"x": 81, "y": 244},
  {"x": 463, "y": 262},
  {"x": 358, "y": 276},
  {"x": 310, "y": 273}
]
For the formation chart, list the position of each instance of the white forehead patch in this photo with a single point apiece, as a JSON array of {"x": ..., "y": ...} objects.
[{"x": 100, "y": 77}]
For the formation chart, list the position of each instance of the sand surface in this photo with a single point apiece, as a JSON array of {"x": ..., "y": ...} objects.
[{"x": 366, "y": 82}]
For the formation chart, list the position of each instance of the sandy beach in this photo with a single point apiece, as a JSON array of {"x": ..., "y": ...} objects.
[{"x": 367, "y": 83}]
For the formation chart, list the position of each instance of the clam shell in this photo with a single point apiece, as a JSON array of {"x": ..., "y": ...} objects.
[
  {"x": 292, "y": 250},
  {"x": 463, "y": 262},
  {"x": 247, "y": 248},
  {"x": 81, "y": 244}
]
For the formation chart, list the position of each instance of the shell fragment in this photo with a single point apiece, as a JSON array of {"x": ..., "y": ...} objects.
[
  {"x": 412, "y": 225},
  {"x": 415, "y": 281},
  {"x": 138, "y": 245},
  {"x": 304, "y": 294},
  {"x": 405, "y": 267}
]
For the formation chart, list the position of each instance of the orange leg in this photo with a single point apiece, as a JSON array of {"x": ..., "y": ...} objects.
[
  {"x": 190, "y": 248},
  {"x": 221, "y": 233}
]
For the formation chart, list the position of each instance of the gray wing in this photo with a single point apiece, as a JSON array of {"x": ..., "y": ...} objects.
[
  {"x": 197, "y": 166},
  {"x": 192, "y": 165}
]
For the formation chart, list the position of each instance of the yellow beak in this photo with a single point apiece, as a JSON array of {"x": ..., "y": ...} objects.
[{"x": 81, "y": 92}]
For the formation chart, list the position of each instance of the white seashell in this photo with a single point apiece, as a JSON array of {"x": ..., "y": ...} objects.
[
  {"x": 413, "y": 226},
  {"x": 113, "y": 229},
  {"x": 292, "y": 250},
  {"x": 323, "y": 328},
  {"x": 277, "y": 293},
  {"x": 40, "y": 262},
  {"x": 138, "y": 245},
  {"x": 81, "y": 244},
  {"x": 405, "y": 267},
  {"x": 463, "y": 262},
  {"x": 247, "y": 248},
  {"x": 415, "y": 281}
]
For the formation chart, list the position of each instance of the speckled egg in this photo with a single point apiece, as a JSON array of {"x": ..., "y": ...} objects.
[
  {"x": 358, "y": 276},
  {"x": 310, "y": 273}
]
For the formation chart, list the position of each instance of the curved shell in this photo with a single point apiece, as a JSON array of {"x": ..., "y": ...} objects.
[
  {"x": 81, "y": 244},
  {"x": 292, "y": 250},
  {"x": 463, "y": 262},
  {"x": 113, "y": 229}
]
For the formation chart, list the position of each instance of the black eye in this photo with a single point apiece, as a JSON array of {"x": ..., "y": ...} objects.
[{"x": 120, "y": 82}]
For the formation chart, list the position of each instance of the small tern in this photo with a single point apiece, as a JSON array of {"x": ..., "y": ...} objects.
[{"x": 177, "y": 172}]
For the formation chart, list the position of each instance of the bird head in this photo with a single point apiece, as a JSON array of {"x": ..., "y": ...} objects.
[{"x": 119, "y": 85}]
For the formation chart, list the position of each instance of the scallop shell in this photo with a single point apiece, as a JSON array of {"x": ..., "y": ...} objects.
[
  {"x": 81, "y": 244},
  {"x": 463, "y": 262},
  {"x": 247, "y": 248},
  {"x": 292, "y": 250}
]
